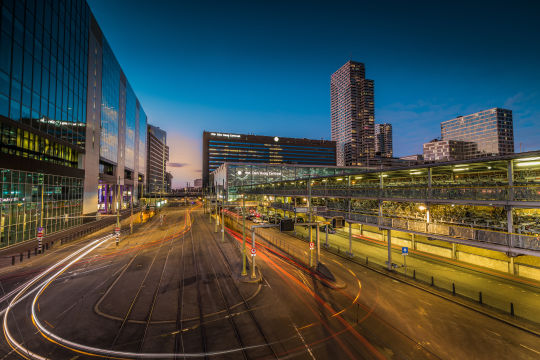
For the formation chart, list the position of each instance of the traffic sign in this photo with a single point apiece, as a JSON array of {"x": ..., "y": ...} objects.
[
  {"x": 311, "y": 245},
  {"x": 253, "y": 252},
  {"x": 40, "y": 238},
  {"x": 404, "y": 251}
]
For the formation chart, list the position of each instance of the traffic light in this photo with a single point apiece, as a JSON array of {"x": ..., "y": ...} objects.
[{"x": 286, "y": 225}]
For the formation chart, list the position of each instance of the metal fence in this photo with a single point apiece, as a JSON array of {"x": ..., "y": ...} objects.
[
  {"x": 495, "y": 193},
  {"x": 459, "y": 232}
]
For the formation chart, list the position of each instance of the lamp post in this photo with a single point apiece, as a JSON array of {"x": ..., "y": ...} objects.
[
  {"x": 217, "y": 215},
  {"x": 118, "y": 211},
  {"x": 244, "y": 272},
  {"x": 253, "y": 275},
  {"x": 222, "y": 212}
]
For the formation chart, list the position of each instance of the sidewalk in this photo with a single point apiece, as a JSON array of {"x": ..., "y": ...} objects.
[
  {"x": 24, "y": 251},
  {"x": 497, "y": 290}
]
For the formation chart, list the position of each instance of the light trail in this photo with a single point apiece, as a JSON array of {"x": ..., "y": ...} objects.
[
  {"x": 24, "y": 352},
  {"x": 77, "y": 347}
]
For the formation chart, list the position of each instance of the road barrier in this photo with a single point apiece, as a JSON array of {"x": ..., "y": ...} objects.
[{"x": 63, "y": 237}]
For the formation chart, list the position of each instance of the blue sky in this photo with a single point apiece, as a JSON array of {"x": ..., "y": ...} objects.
[{"x": 264, "y": 67}]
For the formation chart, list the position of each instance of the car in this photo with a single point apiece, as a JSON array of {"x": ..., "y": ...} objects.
[
  {"x": 331, "y": 230},
  {"x": 300, "y": 220},
  {"x": 257, "y": 220}
]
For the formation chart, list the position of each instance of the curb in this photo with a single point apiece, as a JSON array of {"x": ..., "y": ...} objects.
[{"x": 248, "y": 280}]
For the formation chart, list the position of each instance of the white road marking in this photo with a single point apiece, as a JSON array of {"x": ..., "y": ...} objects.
[
  {"x": 493, "y": 332},
  {"x": 304, "y": 342},
  {"x": 528, "y": 348}
]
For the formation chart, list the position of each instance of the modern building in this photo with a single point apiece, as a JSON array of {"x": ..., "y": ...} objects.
[
  {"x": 219, "y": 148},
  {"x": 447, "y": 208},
  {"x": 491, "y": 130},
  {"x": 383, "y": 140},
  {"x": 197, "y": 183},
  {"x": 159, "y": 181},
  {"x": 353, "y": 114},
  {"x": 69, "y": 120},
  {"x": 448, "y": 150},
  {"x": 234, "y": 175}
]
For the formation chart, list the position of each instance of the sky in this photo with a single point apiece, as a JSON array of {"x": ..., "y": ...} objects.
[{"x": 264, "y": 67}]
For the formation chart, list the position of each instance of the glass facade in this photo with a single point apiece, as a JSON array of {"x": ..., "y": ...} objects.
[
  {"x": 488, "y": 132},
  {"x": 236, "y": 175},
  {"x": 44, "y": 80},
  {"x": 142, "y": 141},
  {"x": 131, "y": 111},
  {"x": 110, "y": 102},
  {"x": 43, "y": 61},
  {"x": 20, "y": 204},
  {"x": 23, "y": 143}
]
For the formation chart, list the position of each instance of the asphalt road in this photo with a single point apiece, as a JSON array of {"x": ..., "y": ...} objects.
[
  {"x": 175, "y": 291},
  {"x": 498, "y": 289}
]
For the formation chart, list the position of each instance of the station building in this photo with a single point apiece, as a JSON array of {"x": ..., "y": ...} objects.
[
  {"x": 219, "y": 148},
  {"x": 448, "y": 208}
]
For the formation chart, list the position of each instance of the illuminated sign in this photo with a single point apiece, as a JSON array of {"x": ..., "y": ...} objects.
[{"x": 225, "y": 135}]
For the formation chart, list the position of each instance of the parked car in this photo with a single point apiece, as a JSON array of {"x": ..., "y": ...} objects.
[
  {"x": 331, "y": 230},
  {"x": 299, "y": 220}
]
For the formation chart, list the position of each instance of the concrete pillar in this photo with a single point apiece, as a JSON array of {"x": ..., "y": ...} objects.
[
  {"x": 389, "y": 237},
  {"x": 348, "y": 193},
  {"x": 326, "y": 240},
  {"x": 361, "y": 231},
  {"x": 454, "y": 251},
  {"x": 318, "y": 246},
  {"x": 429, "y": 182},
  {"x": 511, "y": 266},
  {"x": 350, "y": 239},
  {"x": 413, "y": 241}
]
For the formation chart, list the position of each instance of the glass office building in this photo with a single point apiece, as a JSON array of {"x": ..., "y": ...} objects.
[
  {"x": 489, "y": 132},
  {"x": 219, "y": 148},
  {"x": 69, "y": 119}
]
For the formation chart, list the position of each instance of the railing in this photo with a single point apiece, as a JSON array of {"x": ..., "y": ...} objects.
[
  {"x": 454, "y": 231},
  {"x": 495, "y": 193},
  {"x": 460, "y": 232}
]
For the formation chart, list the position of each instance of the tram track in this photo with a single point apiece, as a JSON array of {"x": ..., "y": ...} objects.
[{"x": 231, "y": 283}]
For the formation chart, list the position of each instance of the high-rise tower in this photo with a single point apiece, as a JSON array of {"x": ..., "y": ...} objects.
[
  {"x": 353, "y": 114},
  {"x": 383, "y": 140}
]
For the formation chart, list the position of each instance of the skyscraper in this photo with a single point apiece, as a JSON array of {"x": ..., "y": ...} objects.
[
  {"x": 353, "y": 114},
  {"x": 383, "y": 140},
  {"x": 157, "y": 158},
  {"x": 489, "y": 132}
]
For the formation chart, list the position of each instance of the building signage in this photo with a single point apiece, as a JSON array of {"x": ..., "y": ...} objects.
[{"x": 225, "y": 135}]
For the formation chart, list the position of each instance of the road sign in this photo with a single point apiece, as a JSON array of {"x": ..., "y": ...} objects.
[
  {"x": 311, "y": 245},
  {"x": 253, "y": 252},
  {"x": 404, "y": 251},
  {"x": 301, "y": 210},
  {"x": 40, "y": 238}
]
